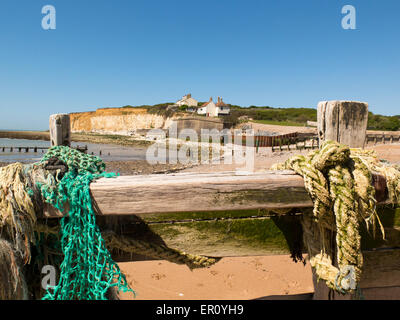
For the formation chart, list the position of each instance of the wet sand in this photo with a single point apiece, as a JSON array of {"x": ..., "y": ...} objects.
[
  {"x": 387, "y": 152},
  {"x": 241, "y": 278}
]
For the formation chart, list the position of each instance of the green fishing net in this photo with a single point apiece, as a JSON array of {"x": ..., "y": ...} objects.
[{"x": 87, "y": 271}]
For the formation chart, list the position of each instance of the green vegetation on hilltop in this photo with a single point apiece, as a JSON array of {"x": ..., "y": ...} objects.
[
  {"x": 300, "y": 116},
  {"x": 278, "y": 116},
  {"x": 379, "y": 122},
  {"x": 294, "y": 116}
]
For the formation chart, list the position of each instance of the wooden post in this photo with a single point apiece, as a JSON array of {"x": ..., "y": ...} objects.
[
  {"x": 343, "y": 121},
  {"x": 346, "y": 122},
  {"x": 60, "y": 130}
]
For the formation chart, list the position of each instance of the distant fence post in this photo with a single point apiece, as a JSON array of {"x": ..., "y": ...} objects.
[
  {"x": 60, "y": 130},
  {"x": 343, "y": 121}
]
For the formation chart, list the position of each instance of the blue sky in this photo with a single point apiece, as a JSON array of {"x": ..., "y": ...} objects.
[{"x": 251, "y": 52}]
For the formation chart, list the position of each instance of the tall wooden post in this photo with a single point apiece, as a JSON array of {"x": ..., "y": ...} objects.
[
  {"x": 346, "y": 123},
  {"x": 343, "y": 121},
  {"x": 60, "y": 130}
]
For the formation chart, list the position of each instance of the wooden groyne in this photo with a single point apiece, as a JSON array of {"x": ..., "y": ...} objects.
[
  {"x": 229, "y": 214},
  {"x": 384, "y": 138},
  {"x": 34, "y": 149},
  {"x": 290, "y": 141}
]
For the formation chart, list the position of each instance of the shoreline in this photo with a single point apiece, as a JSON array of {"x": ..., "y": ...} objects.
[
  {"x": 28, "y": 135},
  {"x": 95, "y": 138}
]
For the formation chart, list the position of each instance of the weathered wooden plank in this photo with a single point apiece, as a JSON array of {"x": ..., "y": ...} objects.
[
  {"x": 216, "y": 238},
  {"x": 234, "y": 233},
  {"x": 186, "y": 192}
]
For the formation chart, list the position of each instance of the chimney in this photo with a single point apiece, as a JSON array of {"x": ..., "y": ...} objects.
[
  {"x": 218, "y": 99},
  {"x": 189, "y": 95},
  {"x": 210, "y": 99}
]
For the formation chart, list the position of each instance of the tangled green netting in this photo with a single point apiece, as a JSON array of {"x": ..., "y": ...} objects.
[{"x": 87, "y": 271}]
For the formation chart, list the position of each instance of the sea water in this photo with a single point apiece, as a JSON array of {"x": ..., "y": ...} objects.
[{"x": 109, "y": 152}]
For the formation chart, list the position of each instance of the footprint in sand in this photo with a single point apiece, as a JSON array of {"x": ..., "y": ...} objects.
[
  {"x": 133, "y": 283},
  {"x": 158, "y": 276},
  {"x": 227, "y": 280}
]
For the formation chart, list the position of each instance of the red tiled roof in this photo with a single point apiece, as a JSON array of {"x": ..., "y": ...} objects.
[{"x": 221, "y": 104}]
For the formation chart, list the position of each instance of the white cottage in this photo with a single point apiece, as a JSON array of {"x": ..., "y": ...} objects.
[
  {"x": 209, "y": 109},
  {"x": 222, "y": 108},
  {"x": 187, "y": 100}
]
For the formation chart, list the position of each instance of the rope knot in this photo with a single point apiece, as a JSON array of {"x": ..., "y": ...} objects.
[
  {"x": 346, "y": 279},
  {"x": 331, "y": 154},
  {"x": 339, "y": 181}
]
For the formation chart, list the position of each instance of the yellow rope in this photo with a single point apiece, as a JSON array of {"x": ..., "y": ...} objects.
[
  {"x": 130, "y": 245},
  {"x": 17, "y": 211},
  {"x": 153, "y": 250},
  {"x": 339, "y": 181}
]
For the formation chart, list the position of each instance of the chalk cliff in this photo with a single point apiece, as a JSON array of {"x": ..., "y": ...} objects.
[{"x": 117, "y": 121}]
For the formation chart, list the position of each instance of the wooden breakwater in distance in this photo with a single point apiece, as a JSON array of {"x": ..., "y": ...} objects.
[
  {"x": 23, "y": 149},
  {"x": 36, "y": 149},
  {"x": 384, "y": 138},
  {"x": 290, "y": 141}
]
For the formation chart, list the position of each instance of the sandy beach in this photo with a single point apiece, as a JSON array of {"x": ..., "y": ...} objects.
[{"x": 242, "y": 278}]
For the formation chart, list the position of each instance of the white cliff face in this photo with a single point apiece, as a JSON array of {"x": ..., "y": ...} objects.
[
  {"x": 124, "y": 124},
  {"x": 115, "y": 122}
]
